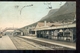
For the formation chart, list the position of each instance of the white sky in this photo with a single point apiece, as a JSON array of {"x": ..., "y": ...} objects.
[{"x": 10, "y": 16}]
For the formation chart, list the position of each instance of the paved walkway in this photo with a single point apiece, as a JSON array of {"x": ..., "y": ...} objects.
[
  {"x": 73, "y": 45},
  {"x": 6, "y": 43}
]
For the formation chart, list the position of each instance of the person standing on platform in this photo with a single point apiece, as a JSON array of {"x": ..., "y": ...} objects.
[
  {"x": 56, "y": 34},
  {"x": 60, "y": 33}
]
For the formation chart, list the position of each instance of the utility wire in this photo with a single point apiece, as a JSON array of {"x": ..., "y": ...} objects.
[{"x": 24, "y": 7}]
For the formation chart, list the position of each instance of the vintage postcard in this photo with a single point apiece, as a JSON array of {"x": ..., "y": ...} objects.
[{"x": 30, "y": 25}]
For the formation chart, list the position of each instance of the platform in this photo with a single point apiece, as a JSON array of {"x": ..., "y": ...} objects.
[
  {"x": 6, "y": 43},
  {"x": 61, "y": 43}
]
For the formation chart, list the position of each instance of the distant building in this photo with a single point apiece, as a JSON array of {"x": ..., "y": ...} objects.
[
  {"x": 18, "y": 32},
  {"x": 32, "y": 30}
]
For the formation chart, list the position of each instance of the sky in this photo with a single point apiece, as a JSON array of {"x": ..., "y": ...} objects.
[{"x": 10, "y": 14}]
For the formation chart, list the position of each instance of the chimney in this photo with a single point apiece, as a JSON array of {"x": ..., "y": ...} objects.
[{"x": 44, "y": 23}]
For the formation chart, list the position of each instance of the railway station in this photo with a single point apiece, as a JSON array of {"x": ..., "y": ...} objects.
[{"x": 38, "y": 26}]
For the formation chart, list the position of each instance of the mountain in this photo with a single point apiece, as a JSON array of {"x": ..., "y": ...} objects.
[
  {"x": 51, "y": 12},
  {"x": 66, "y": 12}
]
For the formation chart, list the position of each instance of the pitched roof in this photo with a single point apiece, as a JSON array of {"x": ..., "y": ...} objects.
[{"x": 40, "y": 24}]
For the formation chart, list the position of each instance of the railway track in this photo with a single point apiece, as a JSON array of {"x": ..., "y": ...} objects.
[
  {"x": 45, "y": 44},
  {"x": 23, "y": 44}
]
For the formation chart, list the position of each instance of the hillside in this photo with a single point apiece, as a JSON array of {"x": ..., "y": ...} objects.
[
  {"x": 66, "y": 12},
  {"x": 51, "y": 12}
]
